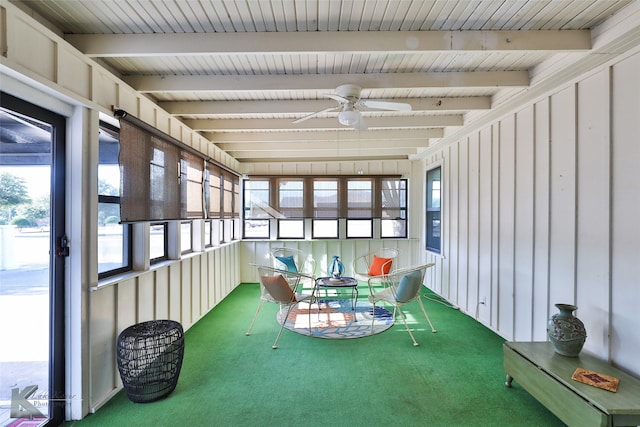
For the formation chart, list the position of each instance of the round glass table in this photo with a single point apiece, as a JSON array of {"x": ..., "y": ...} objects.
[{"x": 329, "y": 283}]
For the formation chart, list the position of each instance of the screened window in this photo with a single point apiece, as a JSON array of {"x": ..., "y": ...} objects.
[
  {"x": 192, "y": 178},
  {"x": 359, "y": 205},
  {"x": 114, "y": 238},
  {"x": 291, "y": 198},
  {"x": 227, "y": 195},
  {"x": 329, "y": 202},
  {"x": 257, "y": 210},
  {"x": 325, "y": 209},
  {"x": 433, "y": 224},
  {"x": 214, "y": 193},
  {"x": 393, "y": 193}
]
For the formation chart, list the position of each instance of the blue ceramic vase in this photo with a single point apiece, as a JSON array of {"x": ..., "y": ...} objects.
[
  {"x": 336, "y": 268},
  {"x": 566, "y": 332}
]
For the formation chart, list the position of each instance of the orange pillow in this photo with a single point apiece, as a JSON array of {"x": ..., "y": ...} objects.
[{"x": 380, "y": 264}]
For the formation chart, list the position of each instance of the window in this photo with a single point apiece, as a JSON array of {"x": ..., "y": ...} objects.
[
  {"x": 336, "y": 207},
  {"x": 191, "y": 185},
  {"x": 114, "y": 238},
  {"x": 433, "y": 225},
  {"x": 393, "y": 216},
  {"x": 359, "y": 205},
  {"x": 290, "y": 229},
  {"x": 257, "y": 209},
  {"x": 291, "y": 198},
  {"x": 325, "y": 209},
  {"x": 208, "y": 238},
  {"x": 186, "y": 237},
  {"x": 158, "y": 242}
]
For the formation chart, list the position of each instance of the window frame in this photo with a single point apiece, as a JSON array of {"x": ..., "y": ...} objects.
[
  {"x": 127, "y": 241},
  {"x": 165, "y": 227},
  {"x": 433, "y": 213},
  {"x": 271, "y": 215},
  {"x": 189, "y": 248}
]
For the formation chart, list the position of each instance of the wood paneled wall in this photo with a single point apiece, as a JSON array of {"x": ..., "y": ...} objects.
[
  {"x": 542, "y": 207},
  {"x": 180, "y": 290}
]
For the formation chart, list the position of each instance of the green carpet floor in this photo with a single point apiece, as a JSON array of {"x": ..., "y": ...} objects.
[{"x": 455, "y": 377}]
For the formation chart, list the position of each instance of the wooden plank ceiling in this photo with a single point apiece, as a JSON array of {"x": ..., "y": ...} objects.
[{"x": 243, "y": 73}]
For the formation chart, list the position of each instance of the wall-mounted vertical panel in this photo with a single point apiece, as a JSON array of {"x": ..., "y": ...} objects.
[
  {"x": 485, "y": 203},
  {"x": 495, "y": 224},
  {"x": 185, "y": 291},
  {"x": 563, "y": 198},
  {"x": 218, "y": 268},
  {"x": 523, "y": 297},
  {"x": 592, "y": 269},
  {"x": 127, "y": 304},
  {"x": 625, "y": 198},
  {"x": 463, "y": 224},
  {"x": 204, "y": 283},
  {"x": 473, "y": 218},
  {"x": 506, "y": 228},
  {"x": 105, "y": 89},
  {"x": 162, "y": 293},
  {"x": 74, "y": 73},
  {"x": 196, "y": 294},
  {"x": 175, "y": 293},
  {"x": 211, "y": 287},
  {"x": 33, "y": 49},
  {"x": 127, "y": 315},
  {"x": 127, "y": 99},
  {"x": 146, "y": 297},
  {"x": 453, "y": 245},
  {"x": 102, "y": 338},
  {"x": 541, "y": 221}
]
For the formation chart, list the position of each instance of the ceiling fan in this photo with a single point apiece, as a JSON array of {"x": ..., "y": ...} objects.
[{"x": 350, "y": 104}]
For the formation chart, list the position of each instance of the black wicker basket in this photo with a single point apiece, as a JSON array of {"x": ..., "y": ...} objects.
[{"x": 150, "y": 358}]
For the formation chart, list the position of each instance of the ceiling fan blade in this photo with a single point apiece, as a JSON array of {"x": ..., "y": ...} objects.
[
  {"x": 384, "y": 105},
  {"x": 309, "y": 116},
  {"x": 338, "y": 98}
]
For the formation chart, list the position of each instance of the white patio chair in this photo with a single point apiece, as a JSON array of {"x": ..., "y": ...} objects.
[
  {"x": 374, "y": 264},
  {"x": 295, "y": 260},
  {"x": 280, "y": 287},
  {"x": 403, "y": 286}
]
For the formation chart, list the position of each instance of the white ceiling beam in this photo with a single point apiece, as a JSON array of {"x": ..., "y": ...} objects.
[
  {"x": 344, "y": 136},
  {"x": 320, "y": 153},
  {"x": 327, "y": 82},
  {"x": 231, "y": 125},
  {"x": 230, "y": 108},
  {"x": 306, "y": 146},
  {"x": 136, "y": 45}
]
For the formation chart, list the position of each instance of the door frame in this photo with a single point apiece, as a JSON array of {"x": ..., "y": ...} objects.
[{"x": 56, "y": 391}]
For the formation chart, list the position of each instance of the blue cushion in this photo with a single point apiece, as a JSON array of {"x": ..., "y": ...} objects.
[
  {"x": 289, "y": 263},
  {"x": 409, "y": 286}
]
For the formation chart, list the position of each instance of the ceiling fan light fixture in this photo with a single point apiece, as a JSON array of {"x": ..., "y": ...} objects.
[{"x": 348, "y": 116}]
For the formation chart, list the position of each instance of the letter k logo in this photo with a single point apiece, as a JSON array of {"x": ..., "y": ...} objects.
[{"x": 19, "y": 401}]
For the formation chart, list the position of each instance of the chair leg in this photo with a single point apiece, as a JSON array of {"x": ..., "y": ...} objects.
[
  {"x": 427, "y": 316},
  {"x": 275, "y": 343},
  {"x": 255, "y": 316},
  {"x": 373, "y": 316},
  {"x": 404, "y": 319}
]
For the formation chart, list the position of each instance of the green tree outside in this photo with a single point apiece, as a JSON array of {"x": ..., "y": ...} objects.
[{"x": 13, "y": 192}]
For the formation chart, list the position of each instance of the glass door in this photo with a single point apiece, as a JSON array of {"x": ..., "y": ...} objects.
[{"x": 32, "y": 252}]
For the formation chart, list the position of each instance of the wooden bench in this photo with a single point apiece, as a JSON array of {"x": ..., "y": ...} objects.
[{"x": 547, "y": 377}]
